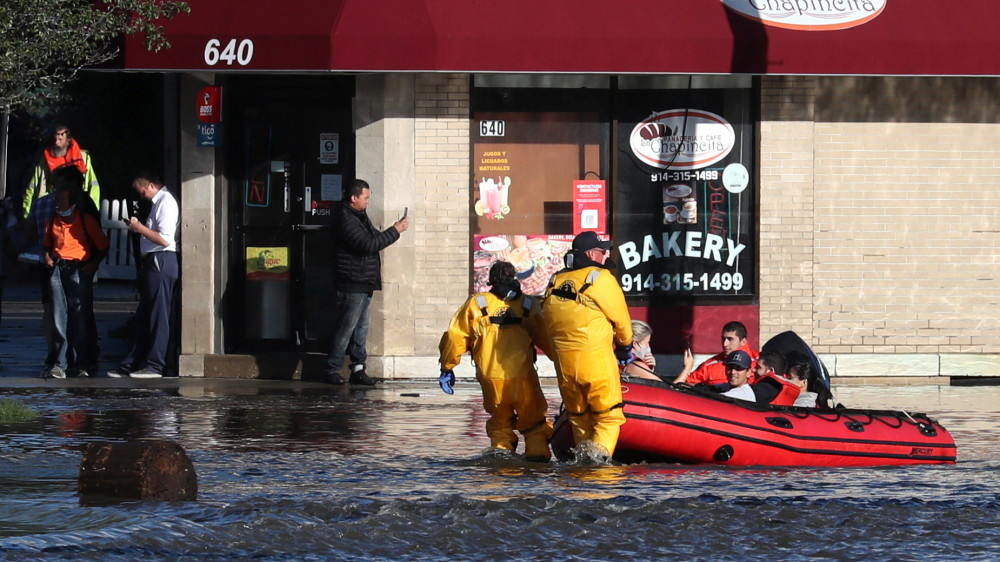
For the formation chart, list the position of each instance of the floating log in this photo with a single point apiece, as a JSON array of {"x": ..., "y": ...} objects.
[{"x": 147, "y": 470}]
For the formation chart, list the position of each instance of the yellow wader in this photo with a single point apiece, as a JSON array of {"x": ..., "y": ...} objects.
[
  {"x": 499, "y": 334},
  {"x": 586, "y": 315}
]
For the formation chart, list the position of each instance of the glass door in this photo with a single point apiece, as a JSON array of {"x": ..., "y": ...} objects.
[{"x": 294, "y": 157}]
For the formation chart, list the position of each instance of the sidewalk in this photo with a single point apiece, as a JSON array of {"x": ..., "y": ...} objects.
[{"x": 22, "y": 341}]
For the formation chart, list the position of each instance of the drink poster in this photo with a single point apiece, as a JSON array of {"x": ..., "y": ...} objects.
[
  {"x": 688, "y": 155},
  {"x": 267, "y": 263}
]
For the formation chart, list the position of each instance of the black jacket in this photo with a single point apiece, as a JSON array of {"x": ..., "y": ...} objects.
[{"x": 357, "y": 267}]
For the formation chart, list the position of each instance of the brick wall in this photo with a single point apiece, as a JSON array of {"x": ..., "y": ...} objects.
[
  {"x": 442, "y": 219},
  {"x": 880, "y": 217},
  {"x": 786, "y": 206},
  {"x": 908, "y": 216}
]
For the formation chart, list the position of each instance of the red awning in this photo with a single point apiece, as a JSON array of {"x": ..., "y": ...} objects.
[{"x": 856, "y": 37}]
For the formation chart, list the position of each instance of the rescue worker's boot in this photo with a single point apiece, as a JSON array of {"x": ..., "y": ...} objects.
[{"x": 536, "y": 442}]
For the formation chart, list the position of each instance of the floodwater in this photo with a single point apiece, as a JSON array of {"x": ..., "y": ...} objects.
[{"x": 293, "y": 471}]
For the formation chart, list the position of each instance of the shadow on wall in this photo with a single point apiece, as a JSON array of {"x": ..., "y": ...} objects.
[{"x": 923, "y": 99}]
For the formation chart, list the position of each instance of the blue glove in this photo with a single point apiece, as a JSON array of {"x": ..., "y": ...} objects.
[
  {"x": 624, "y": 355},
  {"x": 447, "y": 382}
]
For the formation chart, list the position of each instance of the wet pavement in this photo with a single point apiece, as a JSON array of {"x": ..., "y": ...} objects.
[{"x": 22, "y": 340}]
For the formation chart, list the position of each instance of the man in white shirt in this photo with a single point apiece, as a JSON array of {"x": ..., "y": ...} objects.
[
  {"x": 159, "y": 272},
  {"x": 738, "y": 372}
]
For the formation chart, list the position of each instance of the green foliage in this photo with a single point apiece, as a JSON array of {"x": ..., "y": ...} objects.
[
  {"x": 44, "y": 44},
  {"x": 13, "y": 411}
]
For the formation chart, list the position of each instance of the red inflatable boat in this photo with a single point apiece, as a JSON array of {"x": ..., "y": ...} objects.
[{"x": 667, "y": 423}]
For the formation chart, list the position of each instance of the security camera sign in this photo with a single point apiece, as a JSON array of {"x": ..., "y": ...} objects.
[{"x": 329, "y": 148}]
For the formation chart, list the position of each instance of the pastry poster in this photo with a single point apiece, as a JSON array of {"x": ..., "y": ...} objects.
[{"x": 535, "y": 257}]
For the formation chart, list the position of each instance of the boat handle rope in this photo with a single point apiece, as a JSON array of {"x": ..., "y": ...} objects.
[
  {"x": 836, "y": 416},
  {"x": 871, "y": 418},
  {"x": 926, "y": 427}
]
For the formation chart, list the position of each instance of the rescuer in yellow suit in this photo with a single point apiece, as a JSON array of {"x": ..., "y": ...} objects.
[
  {"x": 499, "y": 328},
  {"x": 591, "y": 334}
]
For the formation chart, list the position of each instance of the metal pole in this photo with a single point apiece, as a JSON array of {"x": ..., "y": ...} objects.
[{"x": 4, "y": 121}]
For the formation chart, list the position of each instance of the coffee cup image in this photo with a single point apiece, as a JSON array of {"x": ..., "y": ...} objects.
[
  {"x": 670, "y": 214},
  {"x": 690, "y": 211}
]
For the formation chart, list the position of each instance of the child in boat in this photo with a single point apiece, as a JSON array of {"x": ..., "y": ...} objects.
[
  {"x": 802, "y": 374},
  {"x": 644, "y": 366}
]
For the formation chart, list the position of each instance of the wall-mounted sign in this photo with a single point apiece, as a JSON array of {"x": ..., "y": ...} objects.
[
  {"x": 210, "y": 104},
  {"x": 590, "y": 206},
  {"x": 809, "y": 15},
  {"x": 329, "y": 148},
  {"x": 682, "y": 139},
  {"x": 492, "y": 128},
  {"x": 267, "y": 263},
  {"x": 209, "y": 134}
]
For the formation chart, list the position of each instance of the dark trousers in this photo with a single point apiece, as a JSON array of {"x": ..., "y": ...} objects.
[{"x": 152, "y": 326}]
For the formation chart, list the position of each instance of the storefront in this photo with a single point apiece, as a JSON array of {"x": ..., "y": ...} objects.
[
  {"x": 661, "y": 163},
  {"x": 719, "y": 148}
]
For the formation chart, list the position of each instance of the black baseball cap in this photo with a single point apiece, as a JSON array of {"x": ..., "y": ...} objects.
[{"x": 588, "y": 240}]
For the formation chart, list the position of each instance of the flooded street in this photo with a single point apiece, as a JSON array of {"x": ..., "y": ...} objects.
[{"x": 305, "y": 471}]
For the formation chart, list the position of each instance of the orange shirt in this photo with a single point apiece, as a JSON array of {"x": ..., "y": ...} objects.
[
  {"x": 713, "y": 371},
  {"x": 68, "y": 241}
]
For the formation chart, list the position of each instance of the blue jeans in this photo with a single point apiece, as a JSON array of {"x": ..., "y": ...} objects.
[
  {"x": 74, "y": 338},
  {"x": 350, "y": 330}
]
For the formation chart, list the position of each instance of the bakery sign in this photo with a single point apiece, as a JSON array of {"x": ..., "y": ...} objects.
[
  {"x": 809, "y": 15},
  {"x": 682, "y": 139}
]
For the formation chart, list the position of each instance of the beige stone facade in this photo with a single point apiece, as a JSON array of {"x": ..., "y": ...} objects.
[
  {"x": 879, "y": 209},
  {"x": 879, "y": 200}
]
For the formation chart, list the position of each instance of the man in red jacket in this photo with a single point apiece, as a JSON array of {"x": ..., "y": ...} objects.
[{"x": 713, "y": 371}]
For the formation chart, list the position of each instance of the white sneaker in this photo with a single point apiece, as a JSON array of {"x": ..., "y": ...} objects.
[
  {"x": 56, "y": 373},
  {"x": 117, "y": 373},
  {"x": 145, "y": 374}
]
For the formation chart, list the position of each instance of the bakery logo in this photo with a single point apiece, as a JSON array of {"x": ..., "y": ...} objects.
[
  {"x": 809, "y": 15},
  {"x": 682, "y": 139}
]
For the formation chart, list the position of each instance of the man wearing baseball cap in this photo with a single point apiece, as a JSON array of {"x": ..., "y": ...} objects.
[
  {"x": 738, "y": 373},
  {"x": 591, "y": 333}
]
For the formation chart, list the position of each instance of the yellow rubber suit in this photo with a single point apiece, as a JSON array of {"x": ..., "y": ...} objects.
[
  {"x": 505, "y": 368},
  {"x": 583, "y": 333}
]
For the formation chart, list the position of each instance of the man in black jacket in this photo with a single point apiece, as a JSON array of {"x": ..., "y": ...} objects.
[{"x": 357, "y": 274}]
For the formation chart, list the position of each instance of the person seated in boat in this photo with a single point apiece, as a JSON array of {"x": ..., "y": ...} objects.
[
  {"x": 644, "y": 365},
  {"x": 713, "y": 371},
  {"x": 771, "y": 384},
  {"x": 814, "y": 393},
  {"x": 739, "y": 370}
]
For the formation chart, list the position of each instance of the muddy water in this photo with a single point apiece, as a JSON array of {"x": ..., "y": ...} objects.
[{"x": 296, "y": 471}]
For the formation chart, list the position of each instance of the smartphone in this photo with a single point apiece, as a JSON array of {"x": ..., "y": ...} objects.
[{"x": 406, "y": 211}]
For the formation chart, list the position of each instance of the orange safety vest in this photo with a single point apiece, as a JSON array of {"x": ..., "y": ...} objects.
[{"x": 788, "y": 393}]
